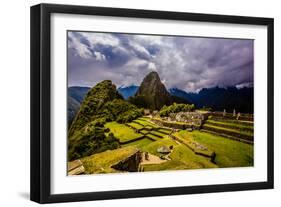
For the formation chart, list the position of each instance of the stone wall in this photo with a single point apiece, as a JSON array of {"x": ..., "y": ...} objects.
[
  {"x": 221, "y": 115},
  {"x": 172, "y": 124},
  {"x": 190, "y": 117},
  {"x": 183, "y": 120},
  {"x": 129, "y": 164}
]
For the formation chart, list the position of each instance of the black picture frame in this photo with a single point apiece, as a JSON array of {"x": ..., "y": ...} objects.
[{"x": 41, "y": 96}]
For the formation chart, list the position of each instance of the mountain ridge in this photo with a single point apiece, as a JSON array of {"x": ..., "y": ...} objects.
[{"x": 229, "y": 98}]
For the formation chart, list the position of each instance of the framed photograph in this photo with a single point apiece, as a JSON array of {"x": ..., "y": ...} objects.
[{"x": 132, "y": 103}]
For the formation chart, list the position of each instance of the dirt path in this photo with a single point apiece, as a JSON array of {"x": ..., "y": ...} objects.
[{"x": 152, "y": 159}]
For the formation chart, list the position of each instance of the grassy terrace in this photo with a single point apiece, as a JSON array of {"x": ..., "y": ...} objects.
[
  {"x": 233, "y": 121},
  {"x": 233, "y": 132},
  {"x": 186, "y": 139},
  {"x": 181, "y": 157},
  {"x": 229, "y": 153},
  {"x": 144, "y": 131},
  {"x": 102, "y": 162},
  {"x": 152, "y": 137},
  {"x": 234, "y": 125},
  {"x": 135, "y": 125},
  {"x": 122, "y": 132},
  {"x": 148, "y": 127},
  {"x": 165, "y": 131},
  {"x": 184, "y": 154},
  {"x": 157, "y": 133},
  {"x": 139, "y": 143},
  {"x": 180, "y": 154},
  {"x": 145, "y": 122}
]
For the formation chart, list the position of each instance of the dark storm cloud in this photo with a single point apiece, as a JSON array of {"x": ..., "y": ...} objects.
[{"x": 183, "y": 62}]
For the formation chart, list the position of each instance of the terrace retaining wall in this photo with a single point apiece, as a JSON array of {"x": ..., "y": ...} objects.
[{"x": 129, "y": 164}]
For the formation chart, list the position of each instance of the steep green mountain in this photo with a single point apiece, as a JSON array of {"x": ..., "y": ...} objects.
[
  {"x": 152, "y": 93},
  {"x": 87, "y": 134},
  {"x": 93, "y": 102}
]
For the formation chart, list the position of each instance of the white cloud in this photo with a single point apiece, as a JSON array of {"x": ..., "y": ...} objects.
[
  {"x": 100, "y": 38},
  {"x": 99, "y": 56},
  {"x": 80, "y": 49},
  {"x": 184, "y": 62},
  {"x": 151, "y": 66}
]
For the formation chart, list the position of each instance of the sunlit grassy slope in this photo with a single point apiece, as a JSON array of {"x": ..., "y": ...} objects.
[
  {"x": 122, "y": 132},
  {"x": 229, "y": 153},
  {"x": 102, "y": 162}
]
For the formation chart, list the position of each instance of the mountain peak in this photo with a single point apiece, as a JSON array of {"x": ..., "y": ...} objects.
[
  {"x": 153, "y": 91},
  {"x": 153, "y": 75},
  {"x": 97, "y": 96}
]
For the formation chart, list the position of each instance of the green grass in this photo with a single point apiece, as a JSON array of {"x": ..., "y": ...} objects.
[
  {"x": 186, "y": 155},
  {"x": 144, "y": 118},
  {"x": 153, "y": 137},
  {"x": 139, "y": 143},
  {"x": 144, "y": 122},
  {"x": 102, "y": 162},
  {"x": 144, "y": 131},
  {"x": 157, "y": 133},
  {"x": 183, "y": 134},
  {"x": 242, "y": 132},
  {"x": 135, "y": 125},
  {"x": 186, "y": 139},
  {"x": 167, "y": 131},
  {"x": 227, "y": 120},
  {"x": 169, "y": 165},
  {"x": 234, "y": 125},
  {"x": 152, "y": 147},
  {"x": 182, "y": 157},
  {"x": 229, "y": 153},
  {"x": 148, "y": 127},
  {"x": 122, "y": 132}
]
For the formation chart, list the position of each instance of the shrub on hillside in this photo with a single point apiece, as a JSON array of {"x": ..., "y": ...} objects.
[
  {"x": 92, "y": 141},
  {"x": 129, "y": 116},
  {"x": 175, "y": 108}
]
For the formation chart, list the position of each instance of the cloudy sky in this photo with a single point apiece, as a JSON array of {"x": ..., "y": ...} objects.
[{"x": 187, "y": 63}]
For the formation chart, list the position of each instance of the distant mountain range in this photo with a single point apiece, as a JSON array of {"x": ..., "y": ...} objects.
[
  {"x": 128, "y": 92},
  {"x": 153, "y": 94},
  {"x": 75, "y": 97},
  {"x": 242, "y": 100}
]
